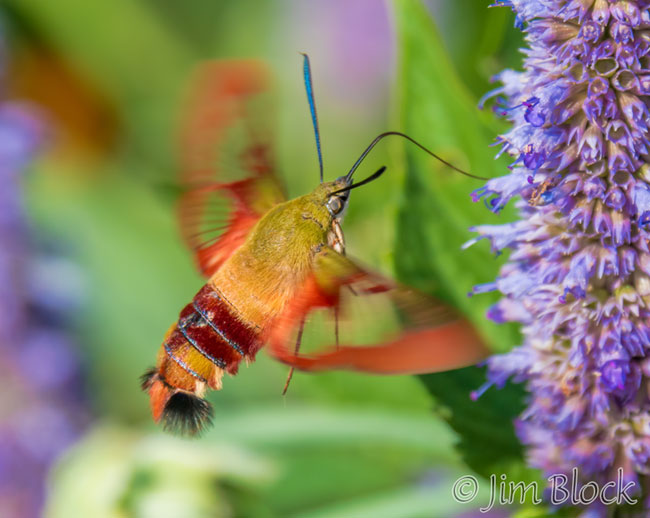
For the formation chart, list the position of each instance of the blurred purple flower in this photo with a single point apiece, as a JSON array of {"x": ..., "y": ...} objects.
[
  {"x": 349, "y": 40},
  {"x": 42, "y": 411},
  {"x": 20, "y": 136},
  {"x": 578, "y": 275}
]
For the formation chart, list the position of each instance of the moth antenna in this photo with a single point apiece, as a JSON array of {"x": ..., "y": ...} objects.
[
  {"x": 306, "y": 69},
  {"x": 372, "y": 177},
  {"x": 403, "y": 135}
]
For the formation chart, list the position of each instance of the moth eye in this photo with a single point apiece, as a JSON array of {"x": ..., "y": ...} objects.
[{"x": 334, "y": 205}]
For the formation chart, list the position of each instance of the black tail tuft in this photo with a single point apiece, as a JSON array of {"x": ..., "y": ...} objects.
[
  {"x": 186, "y": 414},
  {"x": 148, "y": 378}
]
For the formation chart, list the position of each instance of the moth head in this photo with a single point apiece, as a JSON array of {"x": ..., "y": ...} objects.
[{"x": 337, "y": 197}]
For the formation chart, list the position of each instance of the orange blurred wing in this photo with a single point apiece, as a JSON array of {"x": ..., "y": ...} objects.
[
  {"x": 417, "y": 334},
  {"x": 227, "y": 165}
]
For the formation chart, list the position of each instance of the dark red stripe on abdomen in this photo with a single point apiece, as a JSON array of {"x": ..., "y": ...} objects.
[
  {"x": 196, "y": 330},
  {"x": 209, "y": 325},
  {"x": 221, "y": 317}
]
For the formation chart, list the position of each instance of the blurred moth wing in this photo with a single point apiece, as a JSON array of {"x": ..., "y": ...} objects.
[
  {"x": 226, "y": 160},
  {"x": 427, "y": 335}
]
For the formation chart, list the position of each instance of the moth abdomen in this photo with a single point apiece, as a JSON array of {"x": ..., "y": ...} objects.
[{"x": 207, "y": 340}]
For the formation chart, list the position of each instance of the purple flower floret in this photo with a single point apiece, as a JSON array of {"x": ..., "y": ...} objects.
[{"x": 578, "y": 276}]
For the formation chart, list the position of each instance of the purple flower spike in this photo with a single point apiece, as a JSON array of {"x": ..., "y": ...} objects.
[{"x": 578, "y": 276}]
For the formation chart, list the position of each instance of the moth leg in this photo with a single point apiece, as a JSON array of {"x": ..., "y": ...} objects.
[
  {"x": 295, "y": 352},
  {"x": 335, "y": 237},
  {"x": 336, "y": 325}
]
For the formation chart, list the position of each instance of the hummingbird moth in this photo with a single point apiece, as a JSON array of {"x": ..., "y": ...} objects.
[{"x": 272, "y": 263}]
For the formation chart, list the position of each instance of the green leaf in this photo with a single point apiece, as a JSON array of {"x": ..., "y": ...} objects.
[
  {"x": 436, "y": 210},
  {"x": 486, "y": 44},
  {"x": 487, "y": 440},
  {"x": 434, "y": 222}
]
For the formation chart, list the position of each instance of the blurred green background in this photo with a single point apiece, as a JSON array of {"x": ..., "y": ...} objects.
[{"x": 111, "y": 77}]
